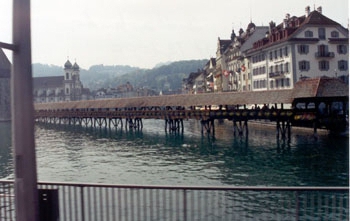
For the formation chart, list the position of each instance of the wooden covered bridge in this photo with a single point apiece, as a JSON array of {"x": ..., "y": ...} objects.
[{"x": 317, "y": 103}]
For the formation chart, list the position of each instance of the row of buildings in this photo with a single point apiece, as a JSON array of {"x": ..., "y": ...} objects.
[
  {"x": 275, "y": 56},
  {"x": 68, "y": 87}
]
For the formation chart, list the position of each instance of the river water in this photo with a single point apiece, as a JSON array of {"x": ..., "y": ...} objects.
[{"x": 151, "y": 156}]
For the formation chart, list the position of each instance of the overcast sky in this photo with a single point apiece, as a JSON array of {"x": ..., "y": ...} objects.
[{"x": 143, "y": 33}]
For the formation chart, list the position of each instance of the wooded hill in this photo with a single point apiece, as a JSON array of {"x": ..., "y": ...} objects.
[{"x": 160, "y": 78}]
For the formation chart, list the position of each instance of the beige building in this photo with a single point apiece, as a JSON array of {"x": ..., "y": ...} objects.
[{"x": 67, "y": 87}]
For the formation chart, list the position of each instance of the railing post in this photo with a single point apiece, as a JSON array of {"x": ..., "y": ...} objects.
[
  {"x": 82, "y": 203},
  {"x": 185, "y": 205}
]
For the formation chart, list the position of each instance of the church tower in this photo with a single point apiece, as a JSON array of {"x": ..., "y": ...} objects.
[{"x": 72, "y": 84}]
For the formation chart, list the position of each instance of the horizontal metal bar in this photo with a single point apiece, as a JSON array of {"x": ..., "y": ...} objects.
[
  {"x": 11, "y": 47},
  {"x": 239, "y": 188}
]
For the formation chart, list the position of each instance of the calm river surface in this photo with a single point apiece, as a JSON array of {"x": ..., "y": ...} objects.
[{"x": 78, "y": 154}]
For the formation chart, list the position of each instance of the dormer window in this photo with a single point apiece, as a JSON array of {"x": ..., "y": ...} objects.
[
  {"x": 309, "y": 34},
  {"x": 335, "y": 34},
  {"x": 322, "y": 33}
]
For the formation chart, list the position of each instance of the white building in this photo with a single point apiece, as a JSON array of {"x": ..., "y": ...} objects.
[{"x": 311, "y": 45}]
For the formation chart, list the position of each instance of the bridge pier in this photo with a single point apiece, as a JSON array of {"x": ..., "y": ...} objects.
[
  {"x": 115, "y": 122},
  {"x": 209, "y": 126},
  {"x": 135, "y": 123},
  {"x": 283, "y": 128},
  {"x": 240, "y": 129},
  {"x": 174, "y": 125},
  {"x": 86, "y": 121}
]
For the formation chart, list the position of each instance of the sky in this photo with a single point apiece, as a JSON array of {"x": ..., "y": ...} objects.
[{"x": 143, "y": 33}]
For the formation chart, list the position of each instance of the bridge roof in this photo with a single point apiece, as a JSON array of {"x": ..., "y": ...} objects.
[
  {"x": 320, "y": 87},
  {"x": 317, "y": 87},
  {"x": 232, "y": 98}
]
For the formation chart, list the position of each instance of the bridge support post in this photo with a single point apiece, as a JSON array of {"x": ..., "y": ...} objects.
[
  {"x": 174, "y": 125},
  {"x": 115, "y": 122},
  {"x": 283, "y": 129},
  {"x": 209, "y": 126},
  {"x": 239, "y": 128},
  {"x": 133, "y": 123}
]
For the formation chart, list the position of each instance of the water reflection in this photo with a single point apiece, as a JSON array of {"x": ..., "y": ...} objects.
[
  {"x": 154, "y": 157},
  {"x": 6, "y": 165}
]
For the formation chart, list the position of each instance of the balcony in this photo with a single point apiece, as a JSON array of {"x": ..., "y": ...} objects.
[
  {"x": 324, "y": 54},
  {"x": 276, "y": 74}
]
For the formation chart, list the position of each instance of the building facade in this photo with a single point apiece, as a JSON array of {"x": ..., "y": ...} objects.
[
  {"x": 308, "y": 46},
  {"x": 275, "y": 57},
  {"x": 67, "y": 87}
]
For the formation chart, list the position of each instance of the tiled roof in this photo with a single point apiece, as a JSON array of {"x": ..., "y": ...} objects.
[
  {"x": 316, "y": 87},
  {"x": 320, "y": 87},
  {"x": 259, "y": 32},
  {"x": 224, "y": 44},
  {"x": 48, "y": 82},
  {"x": 317, "y": 18}
]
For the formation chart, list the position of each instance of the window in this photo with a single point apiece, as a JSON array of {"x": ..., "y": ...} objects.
[
  {"x": 342, "y": 49},
  {"x": 322, "y": 50},
  {"x": 281, "y": 68},
  {"x": 303, "y": 49},
  {"x": 335, "y": 34},
  {"x": 282, "y": 82},
  {"x": 342, "y": 65},
  {"x": 281, "y": 52},
  {"x": 304, "y": 65},
  {"x": 287, "y": 82},
  {"x": 275, "y": 54},
  {"x": 67, "y": 90},
  {"x": 286, "y": 67},
  {"x": 322, "y": 33},
  {"x": 67, "y": 76},
  {"x": 270, "y": 55},
  {"x": 323, "y": 65},
  {"x": 271, "y": 84},
  {"x": 276, "y": 68},
  {"x": 286, "y": 51},
  {"x": 309, "y": 34}
]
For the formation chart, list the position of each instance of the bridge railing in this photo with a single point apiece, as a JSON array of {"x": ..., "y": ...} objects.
[
  {"x": 79, "y": 201},
  {"x": 170, "y": 114}
]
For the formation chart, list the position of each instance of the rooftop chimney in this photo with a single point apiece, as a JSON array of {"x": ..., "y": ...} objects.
[
  {"x": 307, "y": 11},
  {"x": 319, "y": 9}
]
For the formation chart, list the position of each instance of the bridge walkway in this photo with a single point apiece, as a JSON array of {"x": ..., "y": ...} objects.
[{"x": 316, "y": 103}]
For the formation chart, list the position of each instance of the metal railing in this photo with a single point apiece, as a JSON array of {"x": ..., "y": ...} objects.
[{"x": 76, "y": 201}]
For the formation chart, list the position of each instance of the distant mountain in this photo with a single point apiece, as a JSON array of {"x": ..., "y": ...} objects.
[
  {"x": 101, "y": 76},
  {"x": 45, "y": 70},
  {"x": 165, "y": 77}
]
